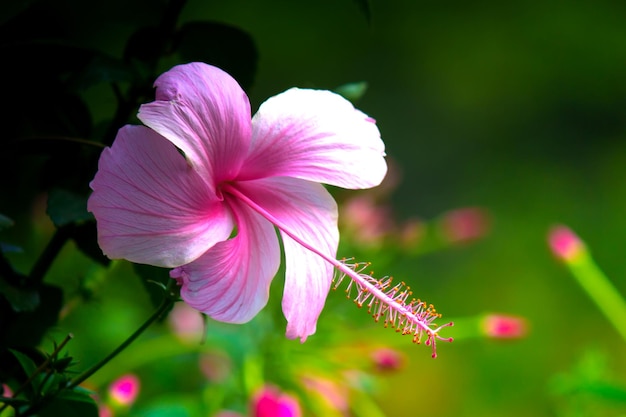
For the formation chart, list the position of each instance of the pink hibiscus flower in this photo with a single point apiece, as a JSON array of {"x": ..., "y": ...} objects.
[
  {"x": 174, "y": 193},
  {"x": 203, "y": 187}
]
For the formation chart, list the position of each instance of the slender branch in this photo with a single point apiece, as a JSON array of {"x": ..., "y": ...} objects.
[
  {"x": 61, "y": 235},
  {"x": 167, "y": 303}
]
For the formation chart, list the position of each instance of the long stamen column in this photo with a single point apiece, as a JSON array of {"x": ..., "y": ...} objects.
[
  {"x": 384, "y": 300},
  {"x": 393, "y": 303}
]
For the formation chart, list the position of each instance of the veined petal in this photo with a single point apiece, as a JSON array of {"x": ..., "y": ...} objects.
[
  {"x": 150, "y": 206},
  {"x": 231, "y": 281},
  {"x": 318, "y": 136},
  {"x": 204, "y": 112},
  {"x": 309, "y": 212}
]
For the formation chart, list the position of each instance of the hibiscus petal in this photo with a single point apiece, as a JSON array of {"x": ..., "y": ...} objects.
[
  {"x": 150, "y": 206},
  {"x": 231, "y": 281},
  {"x": 204, "y": 112},
  {"x": 308, "y": 212},
  {"x": 318, "y": 136}
]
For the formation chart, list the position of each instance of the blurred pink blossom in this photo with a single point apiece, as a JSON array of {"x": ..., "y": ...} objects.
[
  {"x": 271, "y": 402},
  {"x": 331, "y": 392},
  {"x": 501, "y": 326},
  {"x": 464, "y": 224},
  {"x": 124, "y": 390},
  {"x": 411, "y": 232},
  {"x": 564, "y": 243},
  {"x": 367, "y": 221},
  {"x": 387, "y": 359},
  {"x": 104, "y": 411},
  {"x": 215, "y": 366},
  {"x": 186, "y": 322}
]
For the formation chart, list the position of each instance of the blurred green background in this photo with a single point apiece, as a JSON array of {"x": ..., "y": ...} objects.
[{"x": 515, "y": 107}]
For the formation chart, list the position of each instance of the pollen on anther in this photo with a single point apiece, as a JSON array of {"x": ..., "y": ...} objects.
[{"x": 393, "y": 305}]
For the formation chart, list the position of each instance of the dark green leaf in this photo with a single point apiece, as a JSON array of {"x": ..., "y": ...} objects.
[
  {"x": 61, "y": 364},
  {"x": 28, "y": 365},
  {"x": 26, "y": 328},
  {"x": 65, "y": 207},
  {"x": 224, "y": 46},
  {"x": 50, "y": 383},
  {"x": 70, "y": 403},
  {"x": 102, "y": 69},
  {"x": 21, "y": 299},
  {"x": 14, "y": 402}
]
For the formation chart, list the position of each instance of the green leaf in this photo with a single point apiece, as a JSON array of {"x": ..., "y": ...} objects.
[
  {"x": 70, "y": 403},
  {"x": 224, "y": 46},
  {"x": 50, "y": 383},
  {"x": 28, "y": 365},
  {"x": 65, "y": 207},
  {"x": 61, "y": 364},
  {"x": 352, "y": 91},
  {"x": 21, "y": 299}
]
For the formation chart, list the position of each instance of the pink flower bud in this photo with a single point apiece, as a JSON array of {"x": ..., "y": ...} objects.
[
  {"x": 500, "y": 326},
  {"x": 270, "y": 402},
  {"x": 565, "y": 244},
  {"x": 124, "y": 390}
]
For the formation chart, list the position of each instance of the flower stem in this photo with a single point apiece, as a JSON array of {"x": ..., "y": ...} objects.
[
  {"x": 601, "y": 291},
  {"x": 166, "y": 304},
  {"x": 60, "y": 237}
]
